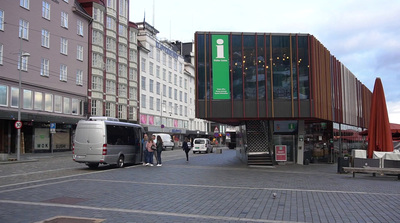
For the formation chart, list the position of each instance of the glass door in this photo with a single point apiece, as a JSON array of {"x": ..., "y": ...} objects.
[{"x": 289, "y": 141}]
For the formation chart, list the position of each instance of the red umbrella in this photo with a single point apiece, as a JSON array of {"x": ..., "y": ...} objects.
[{"x": 379, "y": 133}]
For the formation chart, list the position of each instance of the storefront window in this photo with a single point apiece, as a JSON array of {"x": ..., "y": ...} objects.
[
  {"x": 3, "y": 95},
  {"x": 38, "y": 101},
  {"x": 48, "y": 102},
  {"x": 67, "y": 106},
  {"x": 27, "y": 99},
  {"x": 304, "y": 88},
  {"x": 57, "y": 103},
  {"x": 281, "y": 67},
  {"x": 250, "y": 68},
  {"x": 261, "y": 66},
  {"x": 237, "y": 73}
]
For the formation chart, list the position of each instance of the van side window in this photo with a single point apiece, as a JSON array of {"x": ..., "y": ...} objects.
[{"x": 120, "y": 135}]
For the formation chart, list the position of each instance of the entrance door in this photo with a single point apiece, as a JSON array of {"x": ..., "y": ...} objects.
[{"x": 289, "y": 141}]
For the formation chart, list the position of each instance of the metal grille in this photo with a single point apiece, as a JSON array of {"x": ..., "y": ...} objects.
[{"x": 257, "y": 136}]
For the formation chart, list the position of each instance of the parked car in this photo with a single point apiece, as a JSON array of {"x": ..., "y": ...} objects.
[
  {"x": 167, "y": 140},
  {"x": 202, "y": 145}
]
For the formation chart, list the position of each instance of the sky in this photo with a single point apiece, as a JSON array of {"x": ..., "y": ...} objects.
[{"x": 364, "y": 35}]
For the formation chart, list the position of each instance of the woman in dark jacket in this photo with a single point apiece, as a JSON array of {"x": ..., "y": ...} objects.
[
  {"x": 186, "y": 148},
  {"x": 159, "y": 146}
]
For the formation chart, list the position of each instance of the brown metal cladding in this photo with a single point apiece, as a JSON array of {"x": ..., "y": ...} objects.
[
  {"x": 230, "y": 72},
  {"x": 291, "y": 72},
  {"x": 265, "y": 74},
  {"x": 209, "y": 73},
  {"x": 271, "y": 76},
  {"x": 258, "y": 102}
]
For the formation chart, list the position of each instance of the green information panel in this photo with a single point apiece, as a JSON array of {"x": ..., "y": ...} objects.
[{"x": 220, "y": 64}]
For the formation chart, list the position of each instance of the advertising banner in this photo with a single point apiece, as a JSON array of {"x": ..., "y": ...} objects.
[
  {"x": 280, "y": 153},
  {"x": 220, "y": 66}
]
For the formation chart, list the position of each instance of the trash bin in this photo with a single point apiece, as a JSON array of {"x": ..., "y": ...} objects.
[
  {"x": 307, "y": 157},
  {"x": 343, "y": 162}
]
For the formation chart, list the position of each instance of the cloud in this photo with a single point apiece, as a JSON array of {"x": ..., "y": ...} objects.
[{"x": 394, "y": 111}]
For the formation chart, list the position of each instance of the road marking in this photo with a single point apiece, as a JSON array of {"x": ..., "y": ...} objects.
[{"x": 136, "y": 211}]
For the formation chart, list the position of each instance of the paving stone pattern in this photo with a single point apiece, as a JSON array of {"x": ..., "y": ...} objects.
[{"x": 209, "y": 188}]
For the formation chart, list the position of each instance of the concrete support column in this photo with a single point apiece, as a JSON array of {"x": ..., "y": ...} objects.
[{"x": 300, "y": 142}]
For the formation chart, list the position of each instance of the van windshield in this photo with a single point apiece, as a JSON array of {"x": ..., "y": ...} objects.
[{"x": 199, "y": 141}]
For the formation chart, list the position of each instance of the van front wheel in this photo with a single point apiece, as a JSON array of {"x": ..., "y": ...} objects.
[{"x": 120, "y": 162}]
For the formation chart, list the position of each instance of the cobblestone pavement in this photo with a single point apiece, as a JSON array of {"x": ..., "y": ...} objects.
[{"x": 209, "y": 188}]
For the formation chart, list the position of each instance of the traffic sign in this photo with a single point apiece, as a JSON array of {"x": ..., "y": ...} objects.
[
  {"x": 52, "y": 127},
  {"x": 18, "y": 124},
  {"x": 216, "y": 129}
]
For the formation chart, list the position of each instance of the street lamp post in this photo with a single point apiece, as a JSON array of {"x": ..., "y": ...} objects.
[{"x": 21, "y": 56}]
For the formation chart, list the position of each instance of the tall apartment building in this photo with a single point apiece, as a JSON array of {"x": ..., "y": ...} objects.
[
  {"x": 113, "y": 86},
  {"x": 166, "y": 85},
  {"x": 43, "y": 47}
]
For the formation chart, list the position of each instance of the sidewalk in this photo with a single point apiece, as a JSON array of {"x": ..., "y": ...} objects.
[{"x": 34, "y": 157}]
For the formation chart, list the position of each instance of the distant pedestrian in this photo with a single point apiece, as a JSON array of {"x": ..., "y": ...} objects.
[
  {"x": 144, "y": 143},
  {"x": 155, "y": 143},
  {"x": 159, "y": 145},
  {"x": 186, "y": 148},
  {"x": 150, "y": 146}
]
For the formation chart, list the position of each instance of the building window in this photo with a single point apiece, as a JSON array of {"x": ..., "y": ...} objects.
[
  {"x": 79, "y": 52},
  {"x": 180, "y": 67},
  {"x": 111, "y": 66},
  {"x": 23, "y": 29},
  {"x": 110, "y": 87},
  {"x": 132, "y": 74},
  {"x": 164, "y": 74},
  {"x": 164, "y": 90},
  {"x": 98, "y": 15},
  {"x": 110, "y": 23},
  {"x": 45, "y": 38},
  {"x": 180, "y": 110},
  {"x": 176, "y": 109},
  {"x": 158, "y": 71},
  {"x": 143, "y": 101},
  {"x": 132, "y": 56},
  {"x": 122, "y": 50},
  {"x": 123, "y": 8},
  {"x": 185, "y": 97},
  {"x": 175, "y": 80},
  {"x": 63, "y": 72},
  {"x": 46, "y": 10},
  {"x": 122, "y": 70},
  {"x": 158, "y": 55},
  {"x": 75, "y": 106},
  {"x": 158, "y": 104},
  {"x": 67, "y": 106},
  {"x": 24, "y": 3},
  {"x": 175, "y": 94},
  {"x": 44, "y": 67},
  {"x": 64, "y": 20},
  {"x": 143, "y": 64},
  {"x": 3, "y": 95},
  {"x": 79, "y": 77},
  {"x": 170, "y": 92},
  {"x": 48, "y": 102},
  {"x": 122, "y": 111},
  {"x": 110, "y": 44},
  {"x": 180, "y": 96},
  {"x": 110, "y": 109},
  {"x": 96, "y": 107},
  {"x": 79, "y": 28},
  {"x": 97, "y": 60},
  {"x": 122, "y": 30},
  {"x": 122, "y": 90},
  {"x": 169, "y": 61},
  {"x": 185, "y": 84},
  {"x": 143, "y": 83},
  {"x": 180, "y": 81},
  {"x": 151, "y": 103},
  {"x": 151, "y": 70},
  {"x": 158, "y": 88},
  {"x": 97, "y": 38},
  {"x": 175, "y": 64},
  {"x": 97, "y": 83},
  {"x": 132, "y": 93},
  {"x": 14, "y": 97},
  {"x": 1, "y": 53},
  {"x": 64, "y": 46},
  {"x": 23, "y": 63},
  {"x": 27, "y": 99},
  {"x": 1, "y": 20},
  {"x": 151, "y": 86},
  {"x": 164, "y": 59}
]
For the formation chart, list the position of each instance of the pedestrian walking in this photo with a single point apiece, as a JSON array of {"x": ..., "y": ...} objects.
[
  {"x": 144, "y": 143},
  {"x": 151, "y": 147},
  {"x": 159, "y": 145},
  {"x": 186, "y": 148},
  {"x": 155, "y": 143}
]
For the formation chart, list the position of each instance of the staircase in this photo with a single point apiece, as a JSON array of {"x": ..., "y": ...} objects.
[{"x": 258, "y": 148}]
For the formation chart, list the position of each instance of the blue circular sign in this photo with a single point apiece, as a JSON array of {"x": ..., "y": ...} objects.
[{"x": 162, "y": 126}]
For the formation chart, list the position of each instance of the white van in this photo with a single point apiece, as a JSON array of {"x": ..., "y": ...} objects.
[
  {"x": 167, "y": 140},
  {"x": 100, "y": 141},
  {"x": 202, "y": 145}
]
